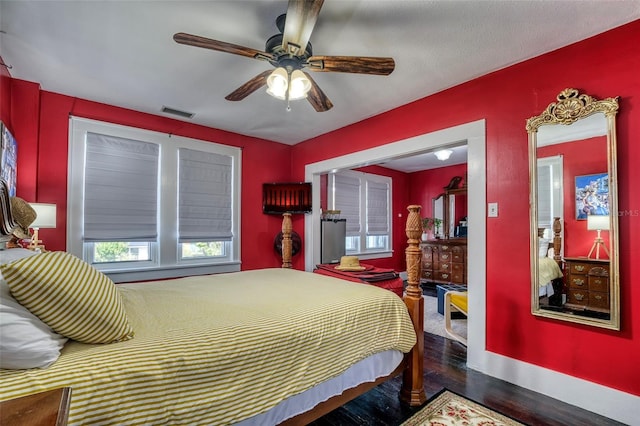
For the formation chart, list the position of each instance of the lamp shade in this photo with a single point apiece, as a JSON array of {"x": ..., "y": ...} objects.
[
  {"x": 443, "y": 154},
  {"x": 597, "y": 223},
  {"x": 300, "y": 85},
  {"x": 278, "y": 83},
  {"x": 46, "y": 215}
]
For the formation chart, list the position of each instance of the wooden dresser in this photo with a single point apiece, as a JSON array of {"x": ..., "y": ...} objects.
[
  {"x": 588, "y": 281},
  {"x": 445, "y": 261}
]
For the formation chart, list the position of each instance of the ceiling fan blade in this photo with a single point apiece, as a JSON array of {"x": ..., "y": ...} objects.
[
  {"x": 221, "y": 46},
  {"x": 301, "y": 18},
  {"x": 352, "y": 64},
  {"x": 317, "y": 98},
  {"x": 249, "y": 87}
]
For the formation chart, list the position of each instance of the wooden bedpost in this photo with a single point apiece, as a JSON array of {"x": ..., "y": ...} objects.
[
  {"x": 557, "y": 240},
  {"x": 287, "y": 227},
  {"x": 412, "y": 388}
]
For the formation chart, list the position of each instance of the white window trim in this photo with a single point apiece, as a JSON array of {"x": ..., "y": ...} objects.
[
  {"x": 165, "y": 256},
  {"x": 363, "y": 253}
]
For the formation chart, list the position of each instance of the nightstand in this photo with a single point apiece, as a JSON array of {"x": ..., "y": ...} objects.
[{"x": 49, "y": 408}]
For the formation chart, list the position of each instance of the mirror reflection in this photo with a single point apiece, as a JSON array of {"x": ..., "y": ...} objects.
[{"x": 574, "y": 210}]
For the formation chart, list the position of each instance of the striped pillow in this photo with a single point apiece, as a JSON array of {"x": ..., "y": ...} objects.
[{"x": 70, "y": 296}]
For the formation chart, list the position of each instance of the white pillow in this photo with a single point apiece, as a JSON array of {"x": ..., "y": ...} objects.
[
  {"x": 26, "y": 342},
  {"x": 543, "y": 247},
  {"x": 9, "y": 255}
]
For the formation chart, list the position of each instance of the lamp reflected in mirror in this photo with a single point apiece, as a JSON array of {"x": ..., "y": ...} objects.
[
  {"x": 45, "y": 218},
  {"x": 598, "y": 223}
]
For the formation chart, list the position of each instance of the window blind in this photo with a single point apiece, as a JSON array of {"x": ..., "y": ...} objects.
[
  {"x": 205, "y": 196},
  {"x": 545, "y": 196},
  {"x": 377, "y": 208},
  {"x": 347, "y": 200},
  {"x": 121, "y": 189}
]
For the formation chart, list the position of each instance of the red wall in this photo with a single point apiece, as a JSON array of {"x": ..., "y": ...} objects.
[
  {"x": 428, "y": 184},
  {"x": 585, "y": 157},
  {"x": 41, "y": 123},
  {"x": 5, "y": 95},
  {"x": 603, "y": 66}
]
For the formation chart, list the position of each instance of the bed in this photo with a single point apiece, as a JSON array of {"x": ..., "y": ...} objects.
[
  {"x": 270, "y": 346},
  {"x": 550, "y": 275}
]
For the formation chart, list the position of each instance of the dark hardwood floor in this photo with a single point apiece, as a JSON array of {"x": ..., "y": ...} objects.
[{"x": 445, "y": 367}]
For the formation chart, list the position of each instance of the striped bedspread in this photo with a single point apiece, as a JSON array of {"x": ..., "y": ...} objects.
[{"x": 218, "y": 349}]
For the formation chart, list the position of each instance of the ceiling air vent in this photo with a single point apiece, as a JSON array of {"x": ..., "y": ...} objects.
[{"x": 177, "y": 112}]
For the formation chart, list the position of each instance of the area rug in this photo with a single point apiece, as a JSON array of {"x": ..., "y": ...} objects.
[
  {"x": 450, "y": 409},
  {"x": 434, "y": 321}
]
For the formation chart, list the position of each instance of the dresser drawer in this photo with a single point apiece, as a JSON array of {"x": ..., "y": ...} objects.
[
  {"x": 578, "y": 297},
  {"x": 427, "y": 254},
  {"x": 578, "y": 281},
  {"x": 599, "y": 299},
  {"x": 443, "y": 267},
  {"x": 443, "y": 276},
  {"x": 427, "y": 274},
  {"x": 579, "y": 268},
  {"x": 598, "y": 283},
  {"x": 458, "y": 254},
  {"x": 445, "y": 256}
]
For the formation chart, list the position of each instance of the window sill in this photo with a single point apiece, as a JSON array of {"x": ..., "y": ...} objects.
[
  {"x": 164, "y": 272},
  {"x": 371, "y": 255}
]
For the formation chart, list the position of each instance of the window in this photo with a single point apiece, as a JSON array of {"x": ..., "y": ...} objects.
[
  {"x": 146, "y": 205},
  {"x": 549, "y": 192},
  {"x": 363, "y": 199}
]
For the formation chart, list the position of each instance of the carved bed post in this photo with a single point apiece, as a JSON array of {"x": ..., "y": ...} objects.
[
  {"x": 412, "y": 388},
  {"x": 557, "y": 240},
  {"x": 287, "y": 227}
]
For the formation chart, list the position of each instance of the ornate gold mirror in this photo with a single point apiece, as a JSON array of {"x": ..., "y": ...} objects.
[{"x": 574, "y": 210}]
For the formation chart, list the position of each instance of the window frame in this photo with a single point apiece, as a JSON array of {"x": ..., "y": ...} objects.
[
  {"x": 363, "y": 252},
  {"x": 166, "y": 251}
]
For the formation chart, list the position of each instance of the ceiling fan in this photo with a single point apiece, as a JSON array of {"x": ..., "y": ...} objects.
[{"x": 290, "y": 52}]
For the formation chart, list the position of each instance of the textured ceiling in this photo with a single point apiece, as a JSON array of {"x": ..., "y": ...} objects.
[{"x": 122, "y": 52}]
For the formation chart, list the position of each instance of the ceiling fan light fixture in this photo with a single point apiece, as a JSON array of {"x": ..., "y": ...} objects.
[
  {"x": 443, "y": 154},
  {"x": 300, "y": 85},
  {"x": 278, "y": 83}
]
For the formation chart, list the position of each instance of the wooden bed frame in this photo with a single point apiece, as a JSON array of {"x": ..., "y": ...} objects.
[
  {"x": 412, "y": 391},
  {"x": 412, "y": 368}
]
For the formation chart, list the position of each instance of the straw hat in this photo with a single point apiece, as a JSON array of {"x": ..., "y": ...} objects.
[
  {"x": 24, "y": 215},
  {"x": 350, "y": 264}
]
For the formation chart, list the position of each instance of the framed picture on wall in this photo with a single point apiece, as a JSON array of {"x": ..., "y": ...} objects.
[
  {"x": 8, "y": 159},
  {"x": 592, "y": 195}
]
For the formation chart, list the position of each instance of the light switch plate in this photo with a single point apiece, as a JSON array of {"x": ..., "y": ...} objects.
[{"x": 492, "y": 209}]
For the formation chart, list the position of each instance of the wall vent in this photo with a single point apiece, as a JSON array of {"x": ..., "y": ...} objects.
[{"x": 177, "y": 112}]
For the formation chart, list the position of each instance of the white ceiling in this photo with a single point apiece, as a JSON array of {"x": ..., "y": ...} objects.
[{"x": 122, "y": 52}]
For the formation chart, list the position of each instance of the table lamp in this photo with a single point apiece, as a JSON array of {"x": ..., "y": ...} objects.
[
  {"x": 598, "y": 223},
  {"x": 46, "y": 218}
]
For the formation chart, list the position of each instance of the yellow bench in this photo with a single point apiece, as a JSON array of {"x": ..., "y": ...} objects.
[{"x": 454, "y": 301}]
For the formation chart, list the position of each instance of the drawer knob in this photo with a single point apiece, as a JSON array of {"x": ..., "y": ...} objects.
[
  {"x": 597, "y": 281},
  {"x": 579, "y": 268},
  {"x": 445, "y": 266},
  {"x": 445, "y": 247},
  {"x": 579, "y": 296},
  {"x": 597, "y": 296},
  {"x": 578, "y": 281},
  {"x": 445, "y": 276},
  {"x": 445, "y": 256}
]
